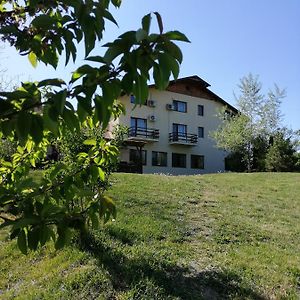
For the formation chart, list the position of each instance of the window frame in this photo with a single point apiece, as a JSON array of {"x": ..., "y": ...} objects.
[
  {"x": 144, "y": 156},
  {"x": 136, "y": 120},
  {"x": 200, "y": 128},
  {"x": 202, "y": 164},
  {"x": 154, "y": 162},
  {"x": 176, "y": 107},
  {"x": 177, "y": 125},
  {"x": 200, "y": 110},
  {"x": 173, "y": 160}
]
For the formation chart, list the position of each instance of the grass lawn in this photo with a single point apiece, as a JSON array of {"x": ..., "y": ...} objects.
[{"x": 221, "y": 236}]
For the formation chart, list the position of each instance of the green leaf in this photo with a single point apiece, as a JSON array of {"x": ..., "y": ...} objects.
[
  {"x": 15, "y": 95},
  {"x": 101, "y": 174},
  {"x": 140, "y": 35},
  {"x": 107, "y": 15},
  {"x": 54, "y": 82},
  {"x": 70, "y": 119},
  {"x": 44, "y": 234},
  {"x": 89, "y": 34},
  {"x": 36, "y": 129},
  {"x": 107, "y": 208},
  {"x": 127, "y": 83},
  {"x": 33, "y": 59},
  {"x": 43, "y": 21},
  {"x": 146, "y": 21},
  {"x": 33, "y": 238},
  {"x": 59, "y": 100},
  {"x": 140, "y": 89},
  {"x": 111, "y": 53},
  {"x": 116, "y": 3},
  {"x": 49, "y": 123},
  {"x": 176, "y": 35},
  {"x": 11, "y": 29},
  {"x": 169, "y": 63},
  {"x": 24, "y": 222},
  {"x": 84, "y": 108},
  {"x": 159, "y": 79},
  {"x": 85, "y": 69},
  {"x": 5, "y": 107},
  {"x": 23, "y": 126},
  {"x": 159, "y": 22},
  {"x": 173, "y": 50},
  {"x": 22, "y": 242},
  {"x": 90, "y": 142},
  {"x": 98, "y": 59}
]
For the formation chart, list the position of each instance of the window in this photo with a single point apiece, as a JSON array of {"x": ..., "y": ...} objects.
[
  {"x": 138, "y": 123},
  {"x": 201, "y": 132},
  {"x": 178, "y": 160},
  {"x": 180, "y": 106},
  {"x": 159, "y": 159},
  {"x": 200, "y": 110},
  {"x": 197, "y": 161},
  {"x": 134, "y": 156},
  {"x": 132, "y": 100},
  {"x": 179, "y": 129}
]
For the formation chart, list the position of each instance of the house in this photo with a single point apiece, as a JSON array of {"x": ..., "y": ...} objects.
[{"x": 170, "y": 133}]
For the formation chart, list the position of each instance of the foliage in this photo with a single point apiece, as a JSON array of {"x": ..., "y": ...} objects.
[
  {"x": 258, "y": 118},
  {"x": 69, "y": 196},
  {"x": 281, "y": 155},
  {"x": 7, "y": 149}
]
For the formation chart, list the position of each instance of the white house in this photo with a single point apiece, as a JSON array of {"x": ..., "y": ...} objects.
[{"x": 170, "y": 133}]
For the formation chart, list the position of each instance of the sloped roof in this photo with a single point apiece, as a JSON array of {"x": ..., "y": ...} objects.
[{"x": 202, "y": 85}]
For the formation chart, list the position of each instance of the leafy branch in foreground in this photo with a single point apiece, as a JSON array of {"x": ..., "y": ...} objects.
[{"x": 36, "y": 115}]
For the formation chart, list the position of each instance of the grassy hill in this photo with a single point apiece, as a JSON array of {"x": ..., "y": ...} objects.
[{"x": 222, "y": 236}]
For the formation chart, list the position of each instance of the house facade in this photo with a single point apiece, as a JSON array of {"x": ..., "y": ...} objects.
[{"x": 170, "y": 133}]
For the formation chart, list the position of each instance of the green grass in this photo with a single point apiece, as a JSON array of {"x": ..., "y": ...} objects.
[{"x": 222, "y": 236}]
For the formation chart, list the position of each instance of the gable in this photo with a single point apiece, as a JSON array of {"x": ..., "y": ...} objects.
[
  {"x": 196, "y": 87},
  {"x": 189, "y": 89}
]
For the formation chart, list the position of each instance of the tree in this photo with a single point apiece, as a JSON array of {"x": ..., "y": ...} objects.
[
  {"x": 281, "y": 155},
  {"x": 70, "y": 196},
  {"x": 257, "y": 119}
]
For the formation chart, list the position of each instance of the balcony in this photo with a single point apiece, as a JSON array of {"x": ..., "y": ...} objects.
[
  {"x": 178, "y": 138},
  {"x": 140, "y": 134}
]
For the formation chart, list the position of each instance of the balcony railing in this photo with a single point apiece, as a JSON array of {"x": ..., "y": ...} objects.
[
  {"x": 183, "y": 138},
  {"x": 141, "y": 133}
]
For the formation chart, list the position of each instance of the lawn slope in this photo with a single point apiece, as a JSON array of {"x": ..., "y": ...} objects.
[{"x": 221, "y": 236}]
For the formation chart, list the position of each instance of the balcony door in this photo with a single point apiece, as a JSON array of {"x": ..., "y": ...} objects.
[
  {"x": 138, "y": 123},
  {"x": 138, "y": 127},
  {"x": 179, "y": 131}
]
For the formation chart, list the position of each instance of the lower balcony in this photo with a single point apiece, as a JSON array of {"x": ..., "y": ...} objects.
[
  {"x": 140, "y": 134},
  {"x": 178, "y": 138}
]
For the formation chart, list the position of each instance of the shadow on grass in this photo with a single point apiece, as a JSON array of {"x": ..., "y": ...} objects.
[{"x": 174, "y": 281}]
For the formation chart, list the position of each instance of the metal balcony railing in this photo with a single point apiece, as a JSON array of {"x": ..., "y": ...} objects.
[
  {"x": 183, "y": 138},
  {"x": 143, "y": 133}
]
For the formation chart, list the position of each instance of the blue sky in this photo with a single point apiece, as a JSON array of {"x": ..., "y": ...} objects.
[{"x": 229, "y": 39}]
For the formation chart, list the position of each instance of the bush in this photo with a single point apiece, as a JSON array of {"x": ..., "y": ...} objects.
[{"x": 281, "y": 155}]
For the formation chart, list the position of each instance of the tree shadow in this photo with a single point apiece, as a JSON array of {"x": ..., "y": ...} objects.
[{"x": 175, "y": 281}]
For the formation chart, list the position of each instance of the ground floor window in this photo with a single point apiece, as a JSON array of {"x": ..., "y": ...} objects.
[
  {"x": 197, "y": 161},
  {"x": 178, "y": 160},
  {"x": 159, "y": 159},
  {"x": 134, "y": 156}
]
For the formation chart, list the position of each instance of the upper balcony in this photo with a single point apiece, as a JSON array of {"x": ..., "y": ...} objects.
[
  {"x": 178, "y": 138},
  {"x": 141, "y": 134}
]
